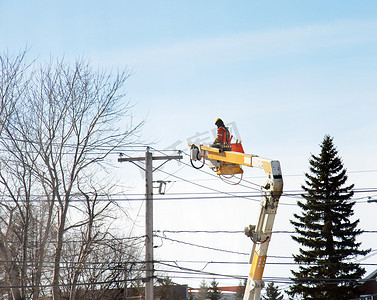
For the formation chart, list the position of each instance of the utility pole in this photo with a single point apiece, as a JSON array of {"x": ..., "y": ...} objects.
[
  {"x": 149, "y": 268},
  {"x": 149, "y": 225}
]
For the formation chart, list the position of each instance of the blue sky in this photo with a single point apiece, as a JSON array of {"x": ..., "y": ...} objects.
[{"x": 285, "y": 72}]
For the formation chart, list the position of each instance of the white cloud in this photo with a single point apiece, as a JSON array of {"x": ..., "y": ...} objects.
[{"x": 251, "y": 46}]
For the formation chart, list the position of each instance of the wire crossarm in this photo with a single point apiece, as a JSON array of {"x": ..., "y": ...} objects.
[{"x": 260, "y": 234}]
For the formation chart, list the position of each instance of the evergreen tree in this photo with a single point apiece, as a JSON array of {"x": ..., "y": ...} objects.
[
  {"x": 326, "y": 232},
  {"x": 241, "y": 289},
  {"x": 272, "y": 292},
  {"x": 213, "y": 291},
  {"x": 166, "y": 291},
  {"x": 203, "y": 290}
]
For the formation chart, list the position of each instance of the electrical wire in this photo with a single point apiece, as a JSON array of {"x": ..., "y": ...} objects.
[
  {"x": 200, "y": 246},
  {"x": 88, "y": 283},
  {"x": 201, "y": 272},
  {"x": 211, "y": 248},
  {"x": 235, "y": 231},
  {"x": 283, "y": 194},
  {"x": 165, "y": 197}
]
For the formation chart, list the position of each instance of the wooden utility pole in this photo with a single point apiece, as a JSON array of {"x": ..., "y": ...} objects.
[
  {"x": 149, "y": 267},
  {"x": 149, "y": 225}
]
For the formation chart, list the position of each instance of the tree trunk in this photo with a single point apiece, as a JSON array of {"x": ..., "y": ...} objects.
[
  {"x": 41, "y": 250},
  {"x": 11, "y": 269},
  {"x": 58, "y": 253}
]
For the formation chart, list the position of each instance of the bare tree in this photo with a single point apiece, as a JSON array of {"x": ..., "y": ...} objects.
[
  {"x": 12, "y": 83},
  {"x": 109, "y": 266},
  {"x": 54, "y": 129},
  {"x": 73, "y": 127},
  {"x": 91, "y": 232},
  {"x": 16, "y": 180}
]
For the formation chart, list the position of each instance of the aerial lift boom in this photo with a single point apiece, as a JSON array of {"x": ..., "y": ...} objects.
[{"x": 228, "y": 162}]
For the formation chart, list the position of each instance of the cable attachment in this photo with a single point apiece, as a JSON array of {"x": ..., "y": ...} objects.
[
  {"x": 250, "y": 230},
  {"x": 227, "y": 179},
  {"x": 196, "y": 155},
  {"x": 255, "y": 236}
]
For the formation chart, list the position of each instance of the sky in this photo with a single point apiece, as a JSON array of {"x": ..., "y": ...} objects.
[{"x": 281, "y": 74}]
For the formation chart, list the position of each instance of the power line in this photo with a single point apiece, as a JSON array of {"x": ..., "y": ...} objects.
[
  {"x": 225, "y": 195},
  {"x": 199, "y": 231},
  {"x": 186, "y": 270},
  {"x": 201, "y": 246},
  {"x": 200, "y": 271},
  {"x": 89, "y": 283},
  {"x": 235, "y": 231}
]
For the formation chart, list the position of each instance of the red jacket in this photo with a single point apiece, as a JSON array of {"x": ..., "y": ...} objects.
[{"x": 223, "y": 135}]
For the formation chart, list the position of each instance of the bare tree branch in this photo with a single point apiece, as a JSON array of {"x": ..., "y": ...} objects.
[{"x": 55, "y": 127}]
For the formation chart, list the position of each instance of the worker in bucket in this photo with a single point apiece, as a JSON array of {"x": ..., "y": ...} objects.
[{"x": 222, "y": 140}]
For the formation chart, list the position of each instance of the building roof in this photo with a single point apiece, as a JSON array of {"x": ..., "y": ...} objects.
[{"x": 372, "y": 275}]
